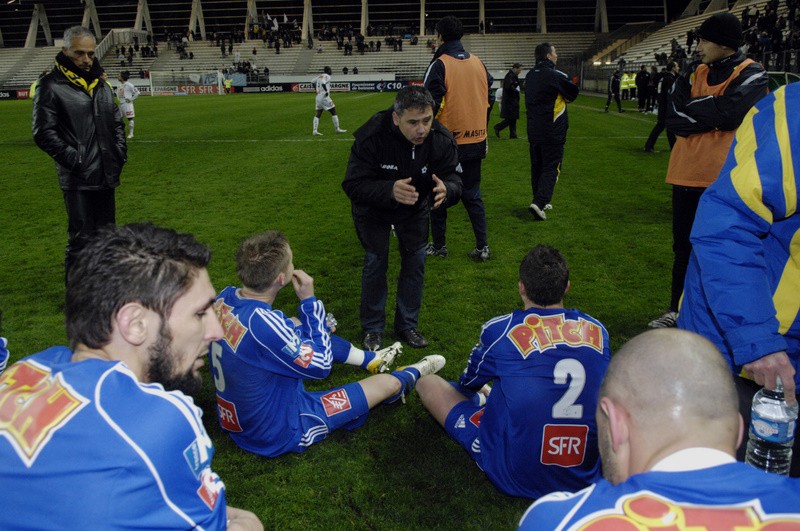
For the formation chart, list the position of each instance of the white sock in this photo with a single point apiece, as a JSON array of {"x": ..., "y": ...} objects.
[
  {"x": 130, "y": 127},
  {"x": 335, "y": 121},
  {"x": 316, "y": 123},
  {"x": 355, "y": 356}
]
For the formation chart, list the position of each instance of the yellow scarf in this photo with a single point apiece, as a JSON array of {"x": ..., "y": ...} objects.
[{"x": 77, "y": 80}]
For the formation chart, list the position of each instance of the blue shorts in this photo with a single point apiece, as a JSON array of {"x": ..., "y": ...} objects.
[
  {"x": 463, "y": 424},
  {"x": 325, "y": 411}
]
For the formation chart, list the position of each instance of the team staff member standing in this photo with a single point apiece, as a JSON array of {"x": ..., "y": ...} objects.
[
  {"x": 741, "y": 284},
  {"x": 665, "y": 81},
  {"x": 547, "y": 92},
  {"x": 402, "y": 165},
  {"x": 77, "y": 122},
  {"x": 459, "y": 84},
  {"x": 613, "y": 91},
  {"x": 509, "y": 111},
  {"x": 709, "y": 101}
]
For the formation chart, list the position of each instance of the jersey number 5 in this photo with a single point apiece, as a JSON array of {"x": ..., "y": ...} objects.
[
  {"x": 566, "y": 408},
  {"x": 216, "y": 363}
]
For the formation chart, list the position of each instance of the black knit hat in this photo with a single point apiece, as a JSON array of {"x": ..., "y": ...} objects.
[{"x": 724, "y": 29}]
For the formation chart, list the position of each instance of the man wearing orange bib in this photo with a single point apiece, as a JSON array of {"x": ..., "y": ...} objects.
[
  {"x": 709, "y": 101},
  {"x": 459, "y": 84}
]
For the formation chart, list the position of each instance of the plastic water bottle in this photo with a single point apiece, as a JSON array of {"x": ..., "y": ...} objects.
[{"x": 772, "y": 427}]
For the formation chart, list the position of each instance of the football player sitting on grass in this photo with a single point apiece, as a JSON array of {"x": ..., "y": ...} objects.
[{"x": 261, "y": 362}]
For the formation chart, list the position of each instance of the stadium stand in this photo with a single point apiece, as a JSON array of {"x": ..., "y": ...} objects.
[{"x": 636, "y": 33}]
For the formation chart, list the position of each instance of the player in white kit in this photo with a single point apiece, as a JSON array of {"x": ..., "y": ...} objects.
[
  {"x": 324, "y": 102},
  {"x": 127, "y": 92}
]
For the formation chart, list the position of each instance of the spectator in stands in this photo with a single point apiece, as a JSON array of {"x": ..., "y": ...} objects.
[
  {"x": 355, "y": 70},
  {"x": 691, "y": 37},
  {"x": 664, "y": 87},
  {"x": 463, "y": 80},
  {"x": 668, "y": 431},
  {"x": 709, "y": 101},
  {"x": 77, "y": 122},
  {"x": 547, "y": 93},
  {"x": 344, "y": 70},
  {"x": 613, "y": 91},
  {"x": 510, "y": 108}
]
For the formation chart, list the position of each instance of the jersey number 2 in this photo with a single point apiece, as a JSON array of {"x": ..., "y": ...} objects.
[{"x": 566, "y": 408}]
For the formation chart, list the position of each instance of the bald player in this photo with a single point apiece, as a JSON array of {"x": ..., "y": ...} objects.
[{"x": 668, "y": 428}]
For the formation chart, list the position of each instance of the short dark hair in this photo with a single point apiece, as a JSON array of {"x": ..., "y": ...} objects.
[
  {"x": 544, "y": 274},
  {"x": 412, "y": 97},
  {"x": 542, "y": 51},
  {"x": 261, "y": 258},
  {"x": 77, "y": 32},
  {"x": 450, "y": 28},
  {"x": 327, "y": 70},
  {"x": 141, "y": 263}
]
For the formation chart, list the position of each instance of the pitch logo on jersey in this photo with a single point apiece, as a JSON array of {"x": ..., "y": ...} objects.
[
  {"x": 211, "y": 486},
  {"x": 564, "y": 444},
  {"x": 336, "y": 402},
  {"x": 540, "y": 333},
  {"x": 228, "y": 417},
  {"x": 34, "y": 405},
  {"x": 233, "y": 328},
  {"x": 475, "y": 418},
  {"x": 646, "y": 510}
]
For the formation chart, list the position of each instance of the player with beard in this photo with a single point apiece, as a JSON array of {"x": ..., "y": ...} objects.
[
  {"x": 104, "y": 425},
  {"x": 668, "y": 428}
]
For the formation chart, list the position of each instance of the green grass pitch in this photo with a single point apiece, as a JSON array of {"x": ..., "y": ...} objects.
[{"x": 224, "y": 168}]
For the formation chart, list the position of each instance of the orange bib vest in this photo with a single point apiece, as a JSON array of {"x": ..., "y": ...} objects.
[
  {"x": 696, "y": 160},
  {"x": 467, "y": 83}
]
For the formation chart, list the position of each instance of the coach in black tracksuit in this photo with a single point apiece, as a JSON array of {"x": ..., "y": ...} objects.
[
  {"x": 547, "y": 92},
  {"x": 401, "y": 143}
]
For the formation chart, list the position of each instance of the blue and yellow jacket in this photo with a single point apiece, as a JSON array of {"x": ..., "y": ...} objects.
[{"x": 742, "y": 288}]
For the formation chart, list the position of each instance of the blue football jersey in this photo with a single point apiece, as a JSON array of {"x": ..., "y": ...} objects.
[
  {"x": 729, "y": 496},
  {"x": 85, "y": 445},
  {"x": 537, "y": 432},
  {"x": 259, "y": 367}
]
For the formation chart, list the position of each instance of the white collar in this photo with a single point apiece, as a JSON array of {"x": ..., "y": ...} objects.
[{"x": 693, "y": 459}]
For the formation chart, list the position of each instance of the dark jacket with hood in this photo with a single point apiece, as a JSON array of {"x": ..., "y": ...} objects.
[
  {"x": 77, "y": 122},
  {"x": 381, "y": 155}
]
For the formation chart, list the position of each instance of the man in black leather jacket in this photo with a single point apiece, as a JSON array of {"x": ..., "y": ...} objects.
[
  {"x": 77, "y": 123},
  {"x": 402, "y": 165}
]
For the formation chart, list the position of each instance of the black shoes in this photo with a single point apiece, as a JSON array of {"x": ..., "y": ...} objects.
[
  {"x": 496, "y": 131},
  {"x": 413, "y": 338},
  {"x": 372, "y": 341}
]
